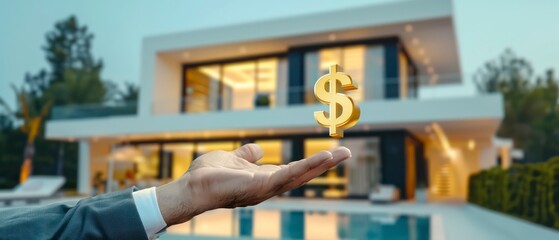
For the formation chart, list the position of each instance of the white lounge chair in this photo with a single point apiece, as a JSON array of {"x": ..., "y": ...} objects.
[{"x": 33, "y": 190}]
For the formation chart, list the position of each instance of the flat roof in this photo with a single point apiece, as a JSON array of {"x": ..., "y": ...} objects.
[{"x": 425, "y": 28}]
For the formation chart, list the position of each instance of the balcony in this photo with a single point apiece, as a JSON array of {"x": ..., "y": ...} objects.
[{"x": 93, "y": 111}]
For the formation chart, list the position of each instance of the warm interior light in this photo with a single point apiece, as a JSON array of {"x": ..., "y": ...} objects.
[
  {"x": 352, "y": 59},
  {"x": 332, "y": 37},
  {"x": 421, "y": 51},
  {"x": 408, "y": 28},
  {"x": 430, "y": 70},
  {"x": 471, "y": 144},
  {"x": 243, "y": 49}
]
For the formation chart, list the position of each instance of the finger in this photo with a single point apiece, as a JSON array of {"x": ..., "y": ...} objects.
[
  {"x": 339, "y": 155},
  {"x": 251, "y": 152},
  {"x": 290, "y": 172}
]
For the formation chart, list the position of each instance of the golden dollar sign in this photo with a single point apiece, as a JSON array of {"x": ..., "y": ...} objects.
[{"x": 344, "y": 113}]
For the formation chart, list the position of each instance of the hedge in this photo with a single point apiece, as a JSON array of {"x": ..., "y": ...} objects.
[{"x": 528, "y": 191}]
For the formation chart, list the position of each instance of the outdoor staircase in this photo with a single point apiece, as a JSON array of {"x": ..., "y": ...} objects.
[{"x": 444, "y": 184}]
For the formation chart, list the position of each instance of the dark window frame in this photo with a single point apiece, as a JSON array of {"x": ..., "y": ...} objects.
[{"x": 302, "y": 49}]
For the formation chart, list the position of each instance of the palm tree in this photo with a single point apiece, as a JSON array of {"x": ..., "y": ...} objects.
[{"x": 32, "y": 120}]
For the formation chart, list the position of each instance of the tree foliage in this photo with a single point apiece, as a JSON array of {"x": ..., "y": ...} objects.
[
  {"x": 73, "y": 77},
  {"x": 130, "y": 93},
  {"x": 531, "y": 105}
]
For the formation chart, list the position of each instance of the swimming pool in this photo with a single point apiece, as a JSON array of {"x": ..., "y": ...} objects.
[{"x": 289, "y": 224}]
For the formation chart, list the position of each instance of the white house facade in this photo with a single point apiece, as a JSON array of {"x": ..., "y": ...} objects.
[{"x": 219, "y": 88}]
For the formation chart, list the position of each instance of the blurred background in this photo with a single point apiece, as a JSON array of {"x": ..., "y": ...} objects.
[{"x": 458, "y": 136}]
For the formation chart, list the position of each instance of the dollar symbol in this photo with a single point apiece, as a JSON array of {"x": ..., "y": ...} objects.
[{"x": 344, "y": 113}]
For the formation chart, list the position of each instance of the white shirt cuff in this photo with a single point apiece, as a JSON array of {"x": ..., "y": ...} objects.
[{"x": 148, "y": 209}]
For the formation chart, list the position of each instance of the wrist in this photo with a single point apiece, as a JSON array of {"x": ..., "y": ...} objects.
[{"x": 175, "y": 202}]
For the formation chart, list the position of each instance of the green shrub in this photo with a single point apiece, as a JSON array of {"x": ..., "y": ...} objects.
[{"x": 528, "y": 191}]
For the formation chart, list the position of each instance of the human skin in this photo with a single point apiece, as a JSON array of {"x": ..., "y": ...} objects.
[{"x": 222, "y": 179}]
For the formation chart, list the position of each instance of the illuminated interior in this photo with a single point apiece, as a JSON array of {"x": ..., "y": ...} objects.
[
  {"x": 272, "y": 152},
  {"x": 350, "y": 58},
  {"x": 232, "y": 86},
  {"x": 332, "y": 183}
]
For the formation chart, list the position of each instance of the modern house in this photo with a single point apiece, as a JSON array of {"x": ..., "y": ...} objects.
[{"x": 218, "y": 88}]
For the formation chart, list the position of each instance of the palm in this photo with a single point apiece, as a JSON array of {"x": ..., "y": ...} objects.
[{"x": 232, "y": 179}]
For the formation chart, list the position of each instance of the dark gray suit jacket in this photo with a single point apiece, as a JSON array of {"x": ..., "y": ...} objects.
[{"x": 107, "y": 216}]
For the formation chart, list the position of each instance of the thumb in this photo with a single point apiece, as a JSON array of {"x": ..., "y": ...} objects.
[{"x": 251, "y": 152}]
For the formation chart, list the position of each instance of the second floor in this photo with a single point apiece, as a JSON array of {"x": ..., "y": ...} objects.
[{"x": 391, "y": 50}]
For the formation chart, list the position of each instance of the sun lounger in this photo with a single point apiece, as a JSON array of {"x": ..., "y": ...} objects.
[
  {"x": 33, "y": 190},
  {"x": 385, "y": 194}
]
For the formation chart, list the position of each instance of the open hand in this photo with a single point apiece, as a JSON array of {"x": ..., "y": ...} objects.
[{"x": 222, "y": 179}]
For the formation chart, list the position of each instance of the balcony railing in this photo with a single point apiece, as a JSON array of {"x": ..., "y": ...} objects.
[
  {"x": 93, "y": 110},
  {"x": 428, "y": 89}
]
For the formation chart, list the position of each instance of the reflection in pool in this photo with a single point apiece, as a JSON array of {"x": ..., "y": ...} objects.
[{"x": 251, "y": 223}]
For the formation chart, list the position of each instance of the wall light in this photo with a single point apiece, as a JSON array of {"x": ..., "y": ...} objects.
[
  {"x": 408, "y": 28},
  {"x": 243, "y": 49}
]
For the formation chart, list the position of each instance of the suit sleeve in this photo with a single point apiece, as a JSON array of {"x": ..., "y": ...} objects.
[{"x": 108, "y": 216}]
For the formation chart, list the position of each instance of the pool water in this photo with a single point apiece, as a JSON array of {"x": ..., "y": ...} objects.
[{"x": 283, "y": 224}]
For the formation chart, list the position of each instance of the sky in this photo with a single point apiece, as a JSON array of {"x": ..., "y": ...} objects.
[{"x": 483, "y": 28}]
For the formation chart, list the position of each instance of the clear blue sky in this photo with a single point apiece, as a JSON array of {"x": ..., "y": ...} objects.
[{"x": 484, "y": 29}]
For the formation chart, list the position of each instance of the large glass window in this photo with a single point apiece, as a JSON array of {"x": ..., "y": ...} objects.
[
  {"x": 234, "y": 86},
  {"x": 350, "y": 58},
  {"x": 272, "y": 152},
  {"x": 182, "y": 154},
  {"x": 148, "y": 161},
  {"x": 332, "y": 184},
  {"x": 202, "y": 88},
  {"x": 366, "y": 65}
]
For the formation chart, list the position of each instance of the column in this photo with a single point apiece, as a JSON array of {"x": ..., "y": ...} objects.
[{"x": 84, "y": 173}]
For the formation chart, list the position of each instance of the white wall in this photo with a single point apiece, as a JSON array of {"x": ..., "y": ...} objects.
[{"x": 166, "y": 93}]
